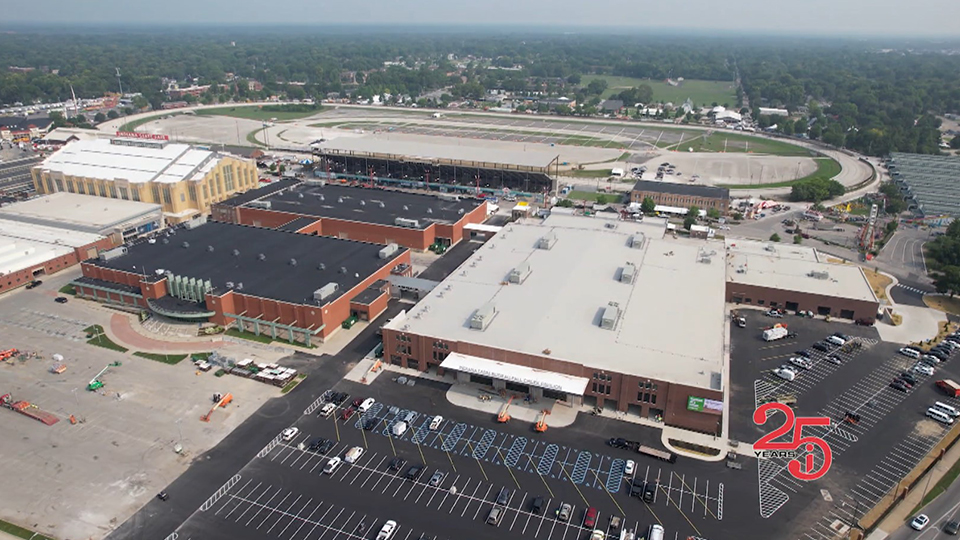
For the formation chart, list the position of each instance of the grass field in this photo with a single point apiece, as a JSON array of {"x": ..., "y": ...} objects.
[
  {"x": 265, "y": 112},
  {"x": 100, "y": 339},
  {"x": 826, "y": 168},
  {"x": 171, "y": 359},
  {"x": 724, "y": 141},
  {"x": 701, "y": 92},
  {"x": 20, "y": 532}
]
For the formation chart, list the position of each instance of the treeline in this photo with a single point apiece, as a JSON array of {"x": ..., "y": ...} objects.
[{"x": 847, "y": 94}]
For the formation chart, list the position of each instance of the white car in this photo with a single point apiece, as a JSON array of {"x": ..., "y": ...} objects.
[
  {"x": 785, "y": 373},
  {"x": 386, "y": 532},
  {"x": 802, "y": 362},
  {"x": 332, "y": 465},
  {"x": 289, "y": 433},
  {"x": 629, "y": 468},
  {"x": 923, "y": 368},
  {"x": 435, "y": 423},
  {"x": 912, "y": 353},
  {"x": 399, "y": 428},
  {"x": 920, "y": 522},
  {"x": 353, "y": 454},
  {"x": 367, "y": 403},
  {"x": 930, "y": 358}
]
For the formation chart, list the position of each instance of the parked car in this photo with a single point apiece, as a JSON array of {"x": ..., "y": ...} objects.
[
  {"x": 536, "y": 505},
  {"x": 563, "y": 512},
  {"x": 347, "y": 413},
  {"x": 437, "y": 478},
  {"x": 923, "y": 368},
  {"x": 34, "y": 284},
  {"x": 353, "y": 454},
  {"x": 912, "y": 353},
  {"x": 397, "y": 463},
  {"x": 903, "y": 382},
  {"x": 933, "y": 358},
  {"x": 906, "y": 376},
  {"x": 786, "y": 373},
  {"x": 332, "y": 465},
  {"x": 899, "y": 385},
  {"x": 820, "y": 346},
  {"x": 60, "y": 299},
  {"x": 629, "y": 467},
  {"x": 435, "y": 423},
  {"x": 834, "y": 359},
  {"x": 326, "y": 447},
  {"x": 289, "y": 433},
  {"x": 357, "y": 402},
  {"x": 370, "y": 423},
  {"x": 951, "y": 528},
  {"x": 414, "y": 472},
  {"x": 399, "y": 429},
  {"x": 163, "y": 496},
  {"x": 803, "y": 353},
  {"x": 386, "y": 532},
  {"x": 775, "y": 313},
  {"x": 315, "y": 444},
  {"x": 801, "y": 362},
  {"x": 590, "y": 517},
  {"x": 503, "y": 497}
]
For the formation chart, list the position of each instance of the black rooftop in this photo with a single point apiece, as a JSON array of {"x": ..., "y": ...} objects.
[
  {"x": 379, "y": 206},
  {"x": 274, "y": 277},
  {"x": 367, "y": 296},
  {"x": 263, "y": 191},
  {"x": 682, "y": 189}
]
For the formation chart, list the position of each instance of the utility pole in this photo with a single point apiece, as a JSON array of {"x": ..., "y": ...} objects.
[{"x": 119, "y": 83}]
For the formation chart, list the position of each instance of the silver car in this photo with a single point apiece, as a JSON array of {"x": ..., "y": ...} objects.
[{"x": 563, "y": 513}]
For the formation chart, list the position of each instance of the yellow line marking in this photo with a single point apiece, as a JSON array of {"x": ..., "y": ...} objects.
[
  {"x": 478, "y": 462},
  {"x": 682, "y": 513},
  {"x": 622, "y": 513},
  {"x": 542, "y": 479},
  {"x": 509, "y": 470},
  {"x": 585, "y": 501}
]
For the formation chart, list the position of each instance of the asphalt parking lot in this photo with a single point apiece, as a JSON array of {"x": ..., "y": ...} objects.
[
  {"x": 869, "y": 456},
  {"x": 284, "y": 489}
]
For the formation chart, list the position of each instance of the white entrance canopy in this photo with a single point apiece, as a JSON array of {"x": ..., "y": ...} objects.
[
  {"x": 480, "y": 227},
  {"x": 547, "y": 380}
]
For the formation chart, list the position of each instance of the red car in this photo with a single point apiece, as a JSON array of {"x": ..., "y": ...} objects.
[
  {"x": 347, "y": 413},
  {"x": 357, "y": 402},
  {"x": 590, "y": 518}
]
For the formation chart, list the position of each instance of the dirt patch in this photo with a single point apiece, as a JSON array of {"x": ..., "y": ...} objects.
[
  {"x": 943, "y": 303},
  {"x": 927, "y": 428},
  {"x": 878, "y": 282}
]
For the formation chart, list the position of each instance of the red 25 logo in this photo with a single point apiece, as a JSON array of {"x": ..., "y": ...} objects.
[{"x": 766, "y": 447}]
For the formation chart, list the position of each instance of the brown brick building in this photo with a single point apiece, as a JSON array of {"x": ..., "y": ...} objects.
[
  {"x": 288, "y": 286},
  {"x": 369, "y": 215},
  {"x": 681, "y": 195},
  {"x": 29, "y": 251}
]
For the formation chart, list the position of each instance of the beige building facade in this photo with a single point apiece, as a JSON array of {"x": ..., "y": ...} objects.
[{"x": 184, "y": 180}]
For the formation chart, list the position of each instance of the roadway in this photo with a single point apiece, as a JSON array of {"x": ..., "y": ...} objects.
[{"x": 944, "y": 508}]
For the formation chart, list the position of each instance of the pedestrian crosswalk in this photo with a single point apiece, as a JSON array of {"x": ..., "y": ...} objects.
[{"x": 912, "y": 289}]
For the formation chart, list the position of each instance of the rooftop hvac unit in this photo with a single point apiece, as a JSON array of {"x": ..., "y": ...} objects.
[
  {"x": 210, "y": 248},
  {"x": 429, "y": 210},
  {"x": 186, "y": 244},
  {"x": 636, "y": 241},
  {"x": 340, "y": 200},
  {"x": 520, "y": 273},
  {"x": 363, "y": 202},
  {"x": 547, "y": 241},
  {"x": 326, "y": 291},
  {"x": 819, "y": 275},
  {"x": 236, "y": 253},
  {"x": 482, "y": 317},
  {"x": 406, "y": 222},
  {"x": 293, "y": 262},
  {"x": 261, "y": 257},
  {"x": 627, "y": 273},
  {"x": 610, "y": 317},
  {"x": 260, "y": 204},
  {"x": 380, "y": 204},
  {"x": 299, "y": 195},
  {"x": 111, "y": 254},
  {"x": 389, "y": 251}
]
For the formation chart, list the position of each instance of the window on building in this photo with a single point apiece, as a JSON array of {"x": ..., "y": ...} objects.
[
  {"x": 193, "y": 192},
  {"x": 59, "y": 184},
  {"x": 135, "y": 191},
  {"x": 760, "y": 302},
  {"x": 166, "y": 195},
  {"x": 156, "y": 193},
  {"x": 183, "y": 197},
  {"x": 124, "y": 194},
  {"x": 653, "y": 399},
  {"x": 70, "y": 186},
  {"x": 113, "y": 190},
  {"x": 228, "y": 178},
  {"x": 91, "y": 189},
  {"x": 846, "y": 313},
  {"x": 49, "y": 185},
  {"x": 80, "y": 188},
  {"x": 206, "y": 195}
]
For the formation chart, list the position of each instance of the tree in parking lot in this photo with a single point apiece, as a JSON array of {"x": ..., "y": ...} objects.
[
  {"x": 113, "y": 114},
  {"x": 774, "y": 237},
  {"x": 713, "y": 213},
  {"x": 99, "y": 117},
  {"x": 647, "y": 206},
  {"x": 797, "y": 239}
]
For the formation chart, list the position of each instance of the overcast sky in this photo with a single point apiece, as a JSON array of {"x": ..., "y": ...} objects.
[{"x": 837, "y": 17}]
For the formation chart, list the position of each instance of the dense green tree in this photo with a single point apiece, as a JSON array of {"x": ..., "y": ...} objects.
[
  {"x": 955, "y": 142},
  {"x": 947, "y": 280},
  {"x": 713, "y": 213},
  {"x": 815, "y": 190},
  {"x": 647, "y": 206},
  {"x": 774, "y": 237},
  {"x": 99, "y": 118}
]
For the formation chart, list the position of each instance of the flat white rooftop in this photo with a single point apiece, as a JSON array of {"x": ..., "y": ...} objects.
[
  {"x": 80, "y": 212},
  {"x": 105, "y": 160},
  {"x": 792, "y": 267},
  {"x": 18, "y": 254},
  {"x": 671, "y": 325},
  {"x": 46, "y": 235},
  {"x": 519, "y": 374},
  {"x": 421, "y": 148}
]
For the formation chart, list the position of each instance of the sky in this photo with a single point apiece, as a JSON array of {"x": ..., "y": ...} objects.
[{"x": 813, "y": 17}]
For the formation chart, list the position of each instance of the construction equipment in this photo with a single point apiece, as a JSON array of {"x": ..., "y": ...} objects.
[
  {"x": 28, "y": 409},
  {"x": 504, "y": 417},
  {"x": 541, "y": 424},
  {"x": 787, "y": 399},
  {"x": 95, "y": 383},
  {"x": 57, "y": 369},
  {"x": 224, "y": 401},
  {"x": 8, "y": 353}
]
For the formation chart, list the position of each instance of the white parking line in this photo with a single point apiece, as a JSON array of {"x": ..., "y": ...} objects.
[
  {"x": 265, "y": 489},
  {"x": 302, "y": 522},
  {"x": 247, "y": 524},
  {"x": 224, "y": 505},
  {"x": 266, "y": 517},
  {"x": 305, "y": 506},
  {"x": 482, "y": 501}
]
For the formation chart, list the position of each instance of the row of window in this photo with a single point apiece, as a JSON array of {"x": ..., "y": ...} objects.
[{"x": 679, "y": 200}]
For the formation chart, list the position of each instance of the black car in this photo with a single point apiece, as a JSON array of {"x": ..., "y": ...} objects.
[
  {"x": 636, "y": 488},
  {"x": 834, "y": 359},
  {"x": 842, "y": 336},
  {"x": 820, "y": 346},
  {"x": 536, "y": 506},
  {"x": 803, "y": 353},
  {"x": 791, "y": 335},
  {"x": 163, "y": 496},
  {"x": 951, "y": 528},
  {"x": 60, "y": 299},
  {"x": 325, "y": 447},
  {"x": 503, "y": 497},
  {"x": 370, "y": 423},
  {"x": 35, "y": 283},
  {"x": 899, "y": 385},
  {"x": 414, "y": 472},
  {"x": 316, "y": 444},
  {"x": 618, "y": 442},
  {"x": 397, "y": 463},
  {"x": 907, "y": 376},
  {"x": 903, "y": 381},
  {"x": 338, "y": 397}
]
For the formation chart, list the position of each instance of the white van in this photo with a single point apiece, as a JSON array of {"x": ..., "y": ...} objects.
[
  {"x": 939, "y": 416},
  {"x": 328, "y": 409},
  {"x": 399, "y": 429},
  {"x": 838, "y": 341},
  {"x": 912, "y": 353},
  {"x": 785, "y": 373},
  {"x": 946, "y": 409},
  {"x": 367, "y": 403},
  {"x": 353, "y": 454},
  {"x": 655, "y": 532}
]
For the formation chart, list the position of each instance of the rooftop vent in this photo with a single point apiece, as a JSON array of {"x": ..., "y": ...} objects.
[
  {"x": 819, "y": 275},
  {"x": 610, "y": 317},
  {"x": 299, "y": 195},
  {"x": 293, "y": 262},
  {"x": 165, "y": 241},
  {"x": 261, "y": 257},
  {"x": 229, "y": 284},
  {"x": 482, "y": 317},
  {"x": 236, "y": 253},
  {"x": 343, "y": 269},
  {"x": 429, "y": 210},
  {"x": 520, "y": 274},
  {"x": 210, "y": 248},
  {"x": 363, "y": 202},
  {"x": 186, "y": 244},
  {"x": 326, "y": 291},
  {"x": 321, "y": 266},
  {"x": 406, "y": 208},
  {"x": 628, "y": 272},
  {"x": 547, "y": 241},
  {"x": 381, "y": 204},
  {"x": 240, "y": 286},
  {"x": 340, "y": 200},
  {"x": 322, "y": 198},
  {"x": 636, "y": 241},
  {"x": 460, "y": 211},
  {"x": 389, "y": 251}
]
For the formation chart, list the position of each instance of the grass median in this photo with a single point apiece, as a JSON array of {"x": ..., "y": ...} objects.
[
  {"x": 20, "y": 532},
  {"x": 100, "y": 339}
]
